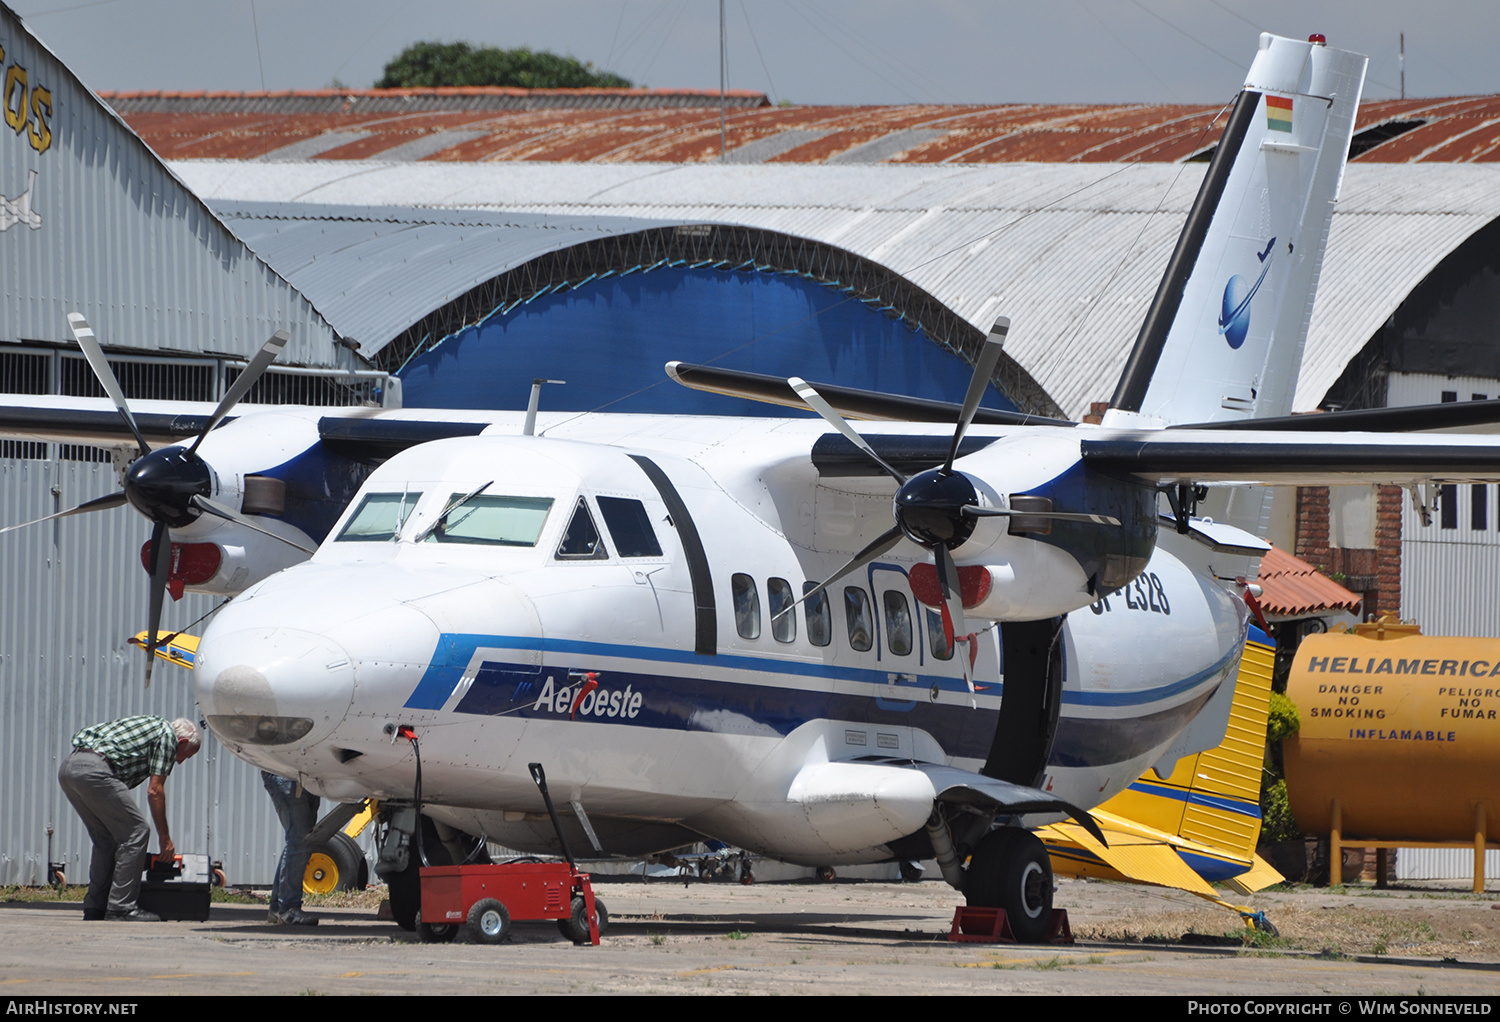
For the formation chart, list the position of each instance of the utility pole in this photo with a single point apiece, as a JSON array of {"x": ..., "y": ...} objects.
[{"x": 724, "y": 78}]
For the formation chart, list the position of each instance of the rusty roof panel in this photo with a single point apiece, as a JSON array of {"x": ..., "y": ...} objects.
[
  {"x": 1291, "y": 587},
  {"x": 682, "y": 126}
]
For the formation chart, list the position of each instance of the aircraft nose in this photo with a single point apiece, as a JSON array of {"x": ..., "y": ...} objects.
[{"x": 273, "y": 686}]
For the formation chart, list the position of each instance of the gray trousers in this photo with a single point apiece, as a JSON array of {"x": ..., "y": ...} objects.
[{"x": 117, "y": 826}]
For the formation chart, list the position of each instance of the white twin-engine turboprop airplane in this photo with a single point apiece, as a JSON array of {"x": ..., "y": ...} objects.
[{"x": 761, "y": 630}]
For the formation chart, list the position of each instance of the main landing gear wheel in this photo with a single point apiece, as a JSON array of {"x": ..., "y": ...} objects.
[
  {"x": 826, "y": 875},
  {"x": 576, "y": 926},
  {"x": 1011, "y": 870},
  {"x": 488, "y": 923}
]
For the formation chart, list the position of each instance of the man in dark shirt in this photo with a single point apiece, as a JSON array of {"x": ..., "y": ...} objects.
[{"x": 107, "y": 761}]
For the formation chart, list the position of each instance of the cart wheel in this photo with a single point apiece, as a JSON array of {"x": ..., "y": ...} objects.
[
  {"x": 746, "y": 877},
  {"x": 59, "y": 879},
  {"x": 826, "y": 875},
  {"x": 576, "y": 926},
  {"x": 489, "y": 922},
  {"x": 219, "y": 879},
  {"x": 436, "y": 933}
]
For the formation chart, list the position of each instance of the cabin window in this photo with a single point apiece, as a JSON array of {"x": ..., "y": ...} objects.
[
  {"x": 897, "y": 622},
  {"x": 819, "y": 616},
  {"x": 582, "y": 541},
  {"x": 493, "y": 521},
  {"x": 379, "y": 518},
  {"x": 746, "y": 606},
  {"x": 629, "y": 526},
  {"x": 783, "y": 626},
  {"x": 937, "y": 641},
  {"x": 857, "y": 615}
]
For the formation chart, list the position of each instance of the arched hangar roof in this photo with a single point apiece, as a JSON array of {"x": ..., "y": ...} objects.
[{"x": 1072, "y": 253}]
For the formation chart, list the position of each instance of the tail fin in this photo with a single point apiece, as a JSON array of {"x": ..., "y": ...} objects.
[{"x": 1223, "y": 337}]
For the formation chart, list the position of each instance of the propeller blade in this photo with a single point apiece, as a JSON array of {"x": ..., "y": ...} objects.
[
  {"x": 879, "y": 545},
  {"x": 984, "y": 369},
  {"x": 242, "y": 384},
  {"x": 953, "y": 603},
  {"x": 1061, "y": 516},
  {"x": 161, "y": 570},
  {"x": 202, "y": 503},
  {"x": 105, "y": 375},
  {"x": 833, "y": 418},
  {"x": 97, "y": 504}
]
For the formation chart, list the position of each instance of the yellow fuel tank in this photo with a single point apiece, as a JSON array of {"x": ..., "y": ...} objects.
[{"x": 1403, "y": 730}]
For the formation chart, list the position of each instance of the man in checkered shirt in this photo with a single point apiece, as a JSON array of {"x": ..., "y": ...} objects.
[{"x": 107, "y": 761}]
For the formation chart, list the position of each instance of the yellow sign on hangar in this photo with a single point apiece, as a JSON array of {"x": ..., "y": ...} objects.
[{"x": 1403, "y": 730}]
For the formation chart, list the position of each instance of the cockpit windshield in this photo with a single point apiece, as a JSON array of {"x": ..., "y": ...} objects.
[
  {"x": 379, "y": 518},
  {"x": 493, "y": 520}
]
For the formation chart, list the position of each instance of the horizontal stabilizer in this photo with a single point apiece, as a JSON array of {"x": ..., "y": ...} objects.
[{"x": 1295, "y": 459}]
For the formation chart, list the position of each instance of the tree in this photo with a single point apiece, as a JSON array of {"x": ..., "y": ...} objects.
[{"x": 429, "y": 65}]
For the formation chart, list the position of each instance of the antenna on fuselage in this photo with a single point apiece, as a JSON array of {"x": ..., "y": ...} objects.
[{"x": 536, "y": 396}]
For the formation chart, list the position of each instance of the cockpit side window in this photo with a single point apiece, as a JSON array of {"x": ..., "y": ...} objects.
[
  {"x": 629, "y": 526},
  {"x": 379, "y": 517},
  {"x": 582, "y": 541},
  {"x": 492, "y": 520}
]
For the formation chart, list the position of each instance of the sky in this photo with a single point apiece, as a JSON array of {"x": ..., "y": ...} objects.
[{"x": 803, "y": 51}]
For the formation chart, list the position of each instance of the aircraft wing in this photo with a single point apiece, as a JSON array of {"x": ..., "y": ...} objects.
[
  {"x": 958, "y": 786},
  {"x": 1131, "y": 854},
  {"x": 1294, "y": 458}
]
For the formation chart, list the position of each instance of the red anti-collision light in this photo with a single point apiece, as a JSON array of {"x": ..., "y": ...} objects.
[{"x": 1317, "y": 39}]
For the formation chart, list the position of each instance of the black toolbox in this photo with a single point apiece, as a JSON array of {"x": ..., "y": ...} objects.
[{"x": 177, "y": 890}]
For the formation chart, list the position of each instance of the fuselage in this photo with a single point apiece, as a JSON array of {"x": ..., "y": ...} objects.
[{"x": 612, "y": 612}]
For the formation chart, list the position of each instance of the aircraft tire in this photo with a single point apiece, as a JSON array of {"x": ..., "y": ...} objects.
[
  {"x": 488, "y": 922},
  {"x": 435, "y": 933},
  {"x": 405, "y": 887},
  {"x": 338, "y": 865},
  {"x": 1011, "y": 870},
  {"x": 576, "y": 926}
]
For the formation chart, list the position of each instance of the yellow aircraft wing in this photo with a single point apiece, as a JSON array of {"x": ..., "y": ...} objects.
[
  {"x": 1198, "y": 826},
  {"x": 181, "y": 649}
]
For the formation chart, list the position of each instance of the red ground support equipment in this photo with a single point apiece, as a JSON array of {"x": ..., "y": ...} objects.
[
  {"x": 483, "y": 901},
  {"x": 975, "y": 925}
]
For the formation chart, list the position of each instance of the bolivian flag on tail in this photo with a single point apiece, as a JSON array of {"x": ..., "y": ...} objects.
[{"x": 1278, "y": 113}]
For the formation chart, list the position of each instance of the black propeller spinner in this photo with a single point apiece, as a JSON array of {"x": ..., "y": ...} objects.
[{"x": 169, "y": 486}]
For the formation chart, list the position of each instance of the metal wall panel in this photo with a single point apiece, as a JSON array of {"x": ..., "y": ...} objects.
[
  {"x": 93, "y": 222},
  {"x": 1443, "y": 864},
  {"x": 74, "y": 591}
]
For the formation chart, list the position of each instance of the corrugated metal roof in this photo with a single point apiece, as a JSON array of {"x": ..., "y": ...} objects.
[
  {"x": 111, "y": 233},
  {"x": 374, "y": 272},
  {"x": 1290, "y": 587},
  {"x": 586, "y": 125},
  {"x": 1072, "y": 253}
]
